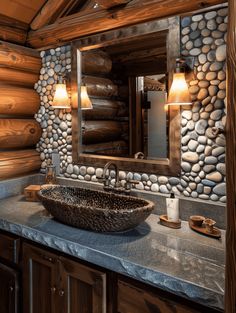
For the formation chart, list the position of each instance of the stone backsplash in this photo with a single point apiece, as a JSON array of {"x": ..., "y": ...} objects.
[{"x": 203, "y": 150}]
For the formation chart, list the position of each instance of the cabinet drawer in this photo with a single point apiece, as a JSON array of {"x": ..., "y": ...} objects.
[{"x": 9, "y": 248}]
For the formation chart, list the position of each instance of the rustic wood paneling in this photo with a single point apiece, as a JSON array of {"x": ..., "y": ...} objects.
[
  {"x": 17, "y": 77},
  {"x": 21, "y": 10},
  {"x": 18, "y": 100},
  {"x": 81, "y": 24},
  {"x": 15, "y": 56},
  {"x": 20, "y": 133},
  {"x": 50, "y": 8},
  {"x": 12, "y": 30},
  {"x": 107, "y": 4},
  {"x": 99, "y": 86},
  {"x": 230, "y": 285},
  {"x": 104, "y": 109},
  {"x": 14, "y": 163},
  {"x": 96, "y": 62},
  {"x": 113, "y": 148}
]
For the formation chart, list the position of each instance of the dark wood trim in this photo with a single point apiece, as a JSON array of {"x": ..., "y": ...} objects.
[
  {"x": 230, "y": 284},
  {"x": 169, "y": 166},
  {"x": 98, "y": 20}
]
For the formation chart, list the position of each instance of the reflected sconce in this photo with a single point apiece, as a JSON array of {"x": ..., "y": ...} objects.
[
  {"x": 85, "y": 102},
  {"x": 61, "y": 99},
  {"x": 179, "y": 93}
]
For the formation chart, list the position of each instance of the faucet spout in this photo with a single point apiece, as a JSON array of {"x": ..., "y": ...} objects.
[{"x": 106, "y": 167}]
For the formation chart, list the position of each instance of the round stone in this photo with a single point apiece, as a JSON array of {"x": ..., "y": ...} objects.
[
  {"x": 221, "y": 94},
  {"x": 200, "y": 148},
  {"x": 216, "y": 34},
  {"x": 83, "y": 170},
  {"x": 185, "y": 39},
  {"x": 144, "y": 177},
  {"x": 214, "y": 176},
  {"x": 219, "y": 104},
  {"x": 162, "y": 180},
  {"x": 201, "y": 126},
  {"x": 203, "y": 93},
  {"x": 191, "y": 157},
  {"x": 189, "y": 45},
  {"x": 186, "y": 167},
  {"x": 210, "y": 160},
  {"x": 208, "y": 182},
  {"x": 210, "y": 15},
  {"x": 221, "y": 75},
  {"x": 202, "y": 58},
  {"x": 203, "y": 84},
  {"x": 154, "y": 187},
  {"x": 185, "y": 21},
  {"x": 192, "y": 145},
  {"x": 201, "y": 75},
  {"x": 194, "y": 89},
  {"x": 207, "y": 40},
  {"x": 185, "y": 31},
  {"x": 221, "y": 53},
  {"x": 153, "y": 178},
  {"x": 211, "y": 24},
  {"x": 216, "y": 66},
  {"x": 216, "y": 115},
  {"x": 137, "y": 176},
  {"x": 223, "y": 12},
  {"x": 185, "y": 140},
  {"x": 70, "y": 169},
  {"x": 90, "y": 170},
  {"x": 209, "y": 168},
  {"x": 210, "y": 76},
  {"x": 195, "y": 34},
  {"x": 196, "y": 168},
  {"x": 221, "y": 168},
  {"x": 220, "y": 189},
  {"x": 202, "y": 24},
  {"x": 63, "y": 126},
  {"x": 163, "y": 189},
  {"x": 213, "y": 90},
  {"x": 174, "y": 181},
  {"x": 197, "y": 43},
  {"x": 197, "y": 18},
  {"x": 205, "y": 32}
]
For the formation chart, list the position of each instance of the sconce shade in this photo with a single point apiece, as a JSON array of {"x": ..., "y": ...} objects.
[
  {"x": 179, "y": 93},
  {"x": 61, "y": 99},
  {"x": 85, "y": 102}
]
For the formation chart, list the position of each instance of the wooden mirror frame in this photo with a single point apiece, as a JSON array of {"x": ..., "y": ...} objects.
[{"x": 166, "y": 166}]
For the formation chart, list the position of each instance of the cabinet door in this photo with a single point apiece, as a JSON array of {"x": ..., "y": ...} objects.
[
  {"x": 135, "y": 300},
  {"x": 39, "y": 280},
  {"x": 9, "y": 290},
  {"x": 82, "y": 289}
]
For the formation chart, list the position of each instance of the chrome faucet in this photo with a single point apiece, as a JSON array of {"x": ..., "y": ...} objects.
[{"x": 106, "y": 180}]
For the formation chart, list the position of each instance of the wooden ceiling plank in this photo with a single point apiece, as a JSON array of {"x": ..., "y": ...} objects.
[
  {"x": 50, "y": 8},
  {"x": 80, "y": 24}
]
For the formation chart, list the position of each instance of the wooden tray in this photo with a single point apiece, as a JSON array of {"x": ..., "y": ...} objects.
[
  {"x": 165, "y": 222},
  {"x": 202, "y": 229}
]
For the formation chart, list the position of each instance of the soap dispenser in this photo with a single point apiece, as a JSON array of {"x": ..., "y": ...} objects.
[{"x": 172, "y": 206}]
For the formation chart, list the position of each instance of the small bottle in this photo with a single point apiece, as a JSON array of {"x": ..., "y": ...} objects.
[
  {"x": 50, "y": 178},
  {"x": 172, "y": 205}
]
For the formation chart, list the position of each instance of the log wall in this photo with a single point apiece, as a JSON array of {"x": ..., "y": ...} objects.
[
  {"x": 105, "y": 127},
  {"x": 19, "y": 132}
]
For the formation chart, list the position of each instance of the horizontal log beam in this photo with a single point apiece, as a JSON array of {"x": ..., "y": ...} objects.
[
  {"x": 17, "y": 77},
  {"x": 20, "y": 133},
  {"x": 12, "y": 30},
  {"x": 81, "y": 24},
  {"x": 15, "y": 56},
  {"x": 99, "y": 87},
  {"x": 50, "y": 9},
  {"x": 96, "y": 63},
  {"x": 15, "y": 163},
  {"x": 18, "y": 101},
  {"x": 100, "y": 131},
  {"x": 105, "y": 110}
]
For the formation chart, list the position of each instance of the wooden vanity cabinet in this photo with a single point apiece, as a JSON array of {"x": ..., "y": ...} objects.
[
  {"x": 9, "y": 273},
  {"x": 55, "y": 284},
  {"x": 135, "y": 297}
]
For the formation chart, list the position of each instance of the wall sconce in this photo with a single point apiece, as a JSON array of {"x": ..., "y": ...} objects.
[
  {"x": 179, "y": 93},
  {"x": 85, "y": 102},
  {"x": 61, "y": 99}
]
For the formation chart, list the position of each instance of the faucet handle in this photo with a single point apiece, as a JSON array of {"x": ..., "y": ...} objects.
[{"x": 130, "y": 183}]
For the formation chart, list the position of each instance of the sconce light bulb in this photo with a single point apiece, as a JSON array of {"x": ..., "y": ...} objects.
[
  {"x": 179, "y": 93},
  {"x": 61, "y": 99},
  {"x": 85, "y": 102}
]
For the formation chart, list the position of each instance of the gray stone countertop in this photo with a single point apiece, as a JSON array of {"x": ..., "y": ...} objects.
[{"x": 180, "y": 261}]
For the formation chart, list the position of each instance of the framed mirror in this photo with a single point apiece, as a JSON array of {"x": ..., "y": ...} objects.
[{"x": 127, "y": 73}]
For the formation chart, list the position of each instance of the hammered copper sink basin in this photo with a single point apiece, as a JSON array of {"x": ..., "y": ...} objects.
[{"x": 94, "y": 210}]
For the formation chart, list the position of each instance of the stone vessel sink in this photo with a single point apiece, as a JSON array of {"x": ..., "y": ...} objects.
[{"x": 94, "y": 210}]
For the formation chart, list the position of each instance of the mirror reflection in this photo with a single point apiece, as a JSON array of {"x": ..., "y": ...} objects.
[{"x": 127, "y": 85}]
